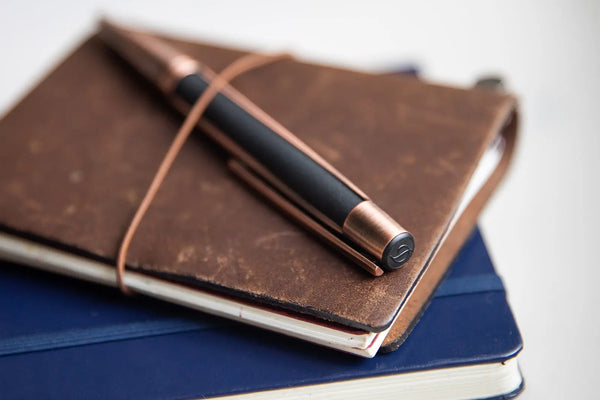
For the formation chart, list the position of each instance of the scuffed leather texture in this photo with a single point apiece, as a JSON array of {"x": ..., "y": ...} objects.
[{"x": 79, "y": 151}]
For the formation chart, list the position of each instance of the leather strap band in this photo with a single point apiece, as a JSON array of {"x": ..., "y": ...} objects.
[{"x": 238, "y": 67}]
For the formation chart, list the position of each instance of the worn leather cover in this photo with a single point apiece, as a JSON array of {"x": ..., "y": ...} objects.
[{"x": 79, "y": 151}]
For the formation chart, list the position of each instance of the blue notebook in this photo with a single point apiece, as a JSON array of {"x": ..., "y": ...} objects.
[{"x": 62, "y": 338}]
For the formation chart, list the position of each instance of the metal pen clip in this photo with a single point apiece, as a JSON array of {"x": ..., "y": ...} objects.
[{"x": 259, "y": 184}]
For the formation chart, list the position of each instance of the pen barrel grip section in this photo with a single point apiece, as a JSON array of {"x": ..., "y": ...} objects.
[
  {"x": 300, "y": 177},
  {"x": 310, "y": 183}
]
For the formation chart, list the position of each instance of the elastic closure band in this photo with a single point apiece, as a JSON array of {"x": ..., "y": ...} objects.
[
  {"x": 477, "y": 284},
  {"x": 238, "y": 67}
]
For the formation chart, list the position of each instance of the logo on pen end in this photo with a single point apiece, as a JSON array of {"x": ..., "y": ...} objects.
[
  {"x": 398, "y": 251},
  {"x": 401, "y": 254}
]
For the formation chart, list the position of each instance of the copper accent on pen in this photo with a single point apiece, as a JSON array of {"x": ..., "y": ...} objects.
[
  {"x": 371, "y": 228},
  {"x": 156, "y": 60}
]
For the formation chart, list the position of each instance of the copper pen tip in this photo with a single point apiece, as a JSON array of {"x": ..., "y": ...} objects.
[{"x": 151, "y": 56}]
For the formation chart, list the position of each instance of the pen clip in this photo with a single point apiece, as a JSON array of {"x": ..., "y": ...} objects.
[{"x": 260, "y": 185}]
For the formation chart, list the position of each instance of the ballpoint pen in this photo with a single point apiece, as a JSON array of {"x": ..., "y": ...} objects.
[{"x": 270, "y": 158}]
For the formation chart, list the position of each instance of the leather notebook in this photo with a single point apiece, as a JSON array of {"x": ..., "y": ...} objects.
[{"x": 80, "y": 149}]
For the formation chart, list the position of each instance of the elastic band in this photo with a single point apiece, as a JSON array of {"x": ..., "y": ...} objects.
[
  {"x": 476, "y": 284},
  {"x": 239, "y": 66}
]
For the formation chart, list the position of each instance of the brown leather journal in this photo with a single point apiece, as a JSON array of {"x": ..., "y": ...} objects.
[{"x": 79, "y": 151}]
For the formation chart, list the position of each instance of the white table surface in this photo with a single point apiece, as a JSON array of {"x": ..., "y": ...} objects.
[{"x": 540, "y": 226}]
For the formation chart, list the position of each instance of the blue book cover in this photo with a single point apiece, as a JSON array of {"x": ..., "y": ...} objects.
[{"x": 63, "y": 338}]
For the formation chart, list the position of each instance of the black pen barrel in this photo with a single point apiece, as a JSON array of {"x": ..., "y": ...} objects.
[
  {"x": 305, "y": 177},
  {"x": 313, "y": 185}
]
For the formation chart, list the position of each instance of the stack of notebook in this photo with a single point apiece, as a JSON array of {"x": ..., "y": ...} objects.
[
  {"x": 80, "y": 150},
  {"x": 61, "y": 338}
]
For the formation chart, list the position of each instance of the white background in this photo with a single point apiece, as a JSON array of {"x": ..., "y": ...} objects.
[{"x": 540, "y": 226}]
